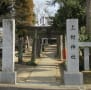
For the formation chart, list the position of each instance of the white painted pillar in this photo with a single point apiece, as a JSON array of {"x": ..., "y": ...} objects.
[
  {"x": 8, "y": 75},
  {"x": 86, "y": 59}
]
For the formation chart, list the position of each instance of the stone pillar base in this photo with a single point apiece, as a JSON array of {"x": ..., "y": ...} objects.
[
  {"x": 8, "y": 77},
  {"x": 73, "y": 78}
]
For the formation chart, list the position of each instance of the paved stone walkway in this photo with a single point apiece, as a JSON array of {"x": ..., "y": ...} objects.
[
  {"x": 47, "y": 72},
  {"x": 45, "y": 76}
]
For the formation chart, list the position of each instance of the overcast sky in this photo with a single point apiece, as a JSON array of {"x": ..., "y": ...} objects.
[{"x": 40, "y": 6}]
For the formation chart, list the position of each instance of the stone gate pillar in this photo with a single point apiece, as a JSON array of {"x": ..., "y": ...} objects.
[
  {"x": 86, "y": 59},
  {"x": 8, "y": 75},
  {"x": 72, "y": 76}
]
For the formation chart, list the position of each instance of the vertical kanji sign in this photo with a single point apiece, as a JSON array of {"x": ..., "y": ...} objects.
[{"x": 72, "y": 45}]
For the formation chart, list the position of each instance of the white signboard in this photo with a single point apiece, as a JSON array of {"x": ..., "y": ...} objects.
[{"x": 72, "y": 45}]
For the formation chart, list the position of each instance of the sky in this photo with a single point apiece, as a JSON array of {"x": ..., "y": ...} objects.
[
  {"x": 40, "y": 6},
  {"x": 43, "y": 10}
]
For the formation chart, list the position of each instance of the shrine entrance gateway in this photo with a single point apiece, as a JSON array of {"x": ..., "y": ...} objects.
[
  {"x": 72, "y": 76},
  {"x": 8, "y": 74}
]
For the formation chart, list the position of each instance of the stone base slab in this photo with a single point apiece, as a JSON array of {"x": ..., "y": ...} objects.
[
  {"x": 7, "y": 77},
  {"x": 73, "y": 78}
]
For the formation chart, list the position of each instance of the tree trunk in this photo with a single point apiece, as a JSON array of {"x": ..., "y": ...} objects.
[
  {"x": 32, "y": 62},
  {"x": 64, "y": 48},
  {"x": 38, "y": 48},
  {"x": 58, "y": 47},
  {"x": 88, "y": 19},
  {"x": 24, "y": 44},
  {"x": 20, "y": 50}
]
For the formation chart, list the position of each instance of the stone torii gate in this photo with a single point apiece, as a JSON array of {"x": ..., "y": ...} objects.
[{"x": 42, "y": 33}]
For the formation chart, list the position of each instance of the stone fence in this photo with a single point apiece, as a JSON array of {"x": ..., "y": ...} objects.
[{"x": 86, "y": 46}]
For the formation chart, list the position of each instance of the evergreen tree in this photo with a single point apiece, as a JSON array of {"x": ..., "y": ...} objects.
[
  {"x": 70, "y": 9},
  {"x": 24, "y": 16},
  {"x": 5, "y": 9},
  {"x": 4, "y": 4},
  {"x": 24, "y": 12},
  {"x": 88, "y": 18}
]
